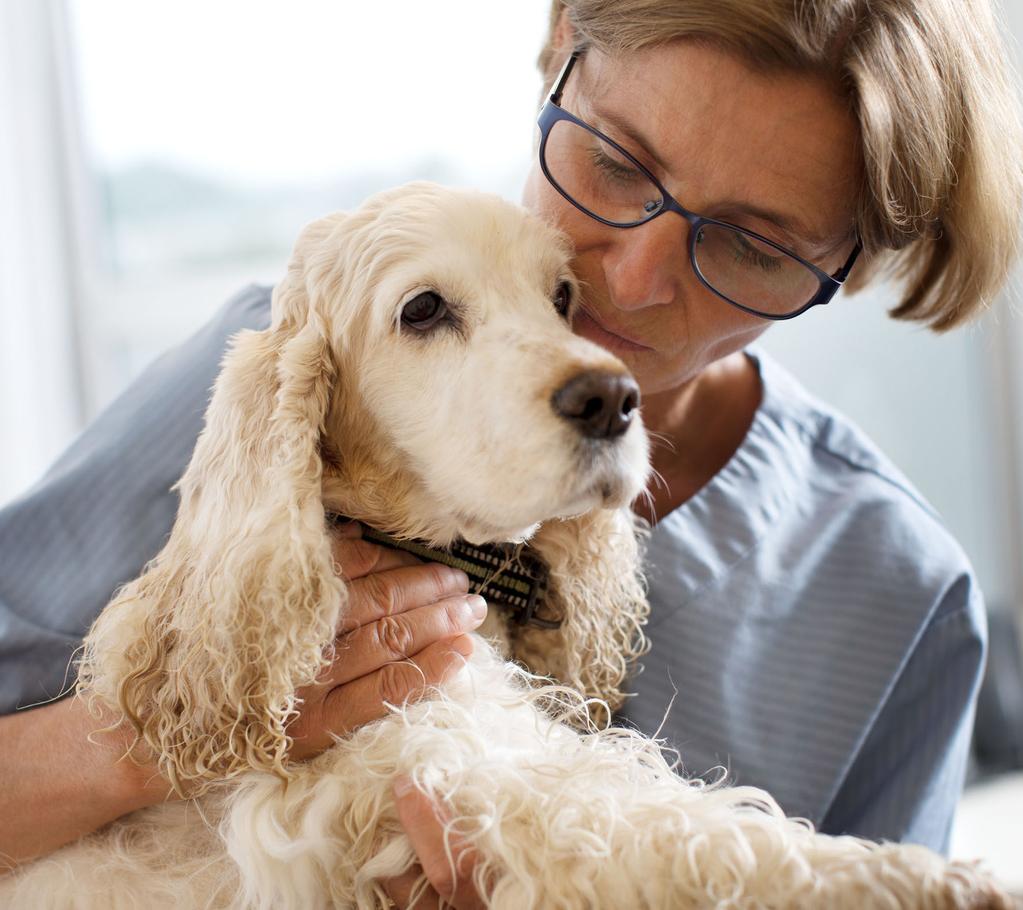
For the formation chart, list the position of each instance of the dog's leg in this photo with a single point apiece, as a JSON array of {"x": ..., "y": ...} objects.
[{"x": 561, "y": 818}]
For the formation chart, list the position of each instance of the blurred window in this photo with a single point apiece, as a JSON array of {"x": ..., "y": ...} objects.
[{"x": 214, "y": 131}]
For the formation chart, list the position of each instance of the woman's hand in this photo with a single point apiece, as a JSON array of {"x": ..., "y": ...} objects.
[
  {"x": 404, "y": 630},
  {"x": 450, "y": 879}
]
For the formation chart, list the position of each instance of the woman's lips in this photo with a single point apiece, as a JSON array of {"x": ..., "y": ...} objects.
[{"x": 587, "y": 326}]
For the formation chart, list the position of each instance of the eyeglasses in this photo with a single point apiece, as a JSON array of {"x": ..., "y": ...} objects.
[{"x": 601, "y": 179}]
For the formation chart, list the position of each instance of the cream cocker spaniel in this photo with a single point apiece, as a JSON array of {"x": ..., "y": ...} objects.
[{"x": 420, "y": 375}]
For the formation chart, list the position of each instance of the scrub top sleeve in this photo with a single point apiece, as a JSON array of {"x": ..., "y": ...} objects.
[
  {"x": 104, "y": 509},
  {"x": 906, "y": 779}
]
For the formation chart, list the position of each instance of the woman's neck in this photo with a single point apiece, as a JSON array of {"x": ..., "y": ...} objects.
[{"x": 696, "y": 429}]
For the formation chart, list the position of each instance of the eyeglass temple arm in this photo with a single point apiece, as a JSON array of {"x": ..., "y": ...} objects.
[
  {"x": 559, "y": 83},
  {"x": 843, "y": 272}
]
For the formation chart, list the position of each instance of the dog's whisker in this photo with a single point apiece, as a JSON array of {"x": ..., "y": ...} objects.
[
  {"x": 660, "y": 440},
  {"x": 647, "y": 500},
  {"x": 658, "y": 477}
]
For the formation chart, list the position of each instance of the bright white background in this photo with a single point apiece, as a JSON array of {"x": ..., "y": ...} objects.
[{"x": 155, "y": 157}]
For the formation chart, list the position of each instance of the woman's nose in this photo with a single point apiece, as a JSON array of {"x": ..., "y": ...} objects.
[{"x": 645, "y": 265}]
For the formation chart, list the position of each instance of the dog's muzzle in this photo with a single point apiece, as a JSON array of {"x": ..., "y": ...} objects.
[{"x": 599, "y": 404}]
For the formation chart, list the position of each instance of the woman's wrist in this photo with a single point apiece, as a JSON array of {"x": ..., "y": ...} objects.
[
  {"x": 65, "y": 776},
  {"x": 123, "y": 780}
]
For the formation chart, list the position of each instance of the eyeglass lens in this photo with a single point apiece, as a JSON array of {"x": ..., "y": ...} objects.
[{"x": 608, "y": 184}]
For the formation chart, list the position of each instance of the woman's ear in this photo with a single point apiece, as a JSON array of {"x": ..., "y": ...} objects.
[
  {"x": 597, "y": 589},
  {"x": 560, "y": 43},
  {"x": 203, "y": 653},
  {"x": 562, "y": 34}
]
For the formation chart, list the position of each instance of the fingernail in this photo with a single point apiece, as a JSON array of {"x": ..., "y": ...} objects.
[
  {"x": 458, "y": 577},
  {"x": 478, "y": 605},
  {"x": 402, "y": 786}
]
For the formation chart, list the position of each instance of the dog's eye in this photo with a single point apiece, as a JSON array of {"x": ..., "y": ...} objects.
[
  {"x": 563, "y": 298},
  {"x": 424, "y": 310}
]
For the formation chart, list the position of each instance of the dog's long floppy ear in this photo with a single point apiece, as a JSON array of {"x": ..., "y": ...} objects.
[
  {"x": 203, "y": 653},
  {"x": 597, "y": 588}
]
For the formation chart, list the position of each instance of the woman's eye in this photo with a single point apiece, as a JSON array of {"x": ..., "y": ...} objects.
[
  {"x": 424, "y": 310},
  {"x": 747, "y": 253},
  {"x": 563, "y": 299},
  {"x": 614, "y": 168}
]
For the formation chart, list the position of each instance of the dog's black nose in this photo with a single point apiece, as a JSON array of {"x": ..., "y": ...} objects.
[{"x": 599, "y": 404}]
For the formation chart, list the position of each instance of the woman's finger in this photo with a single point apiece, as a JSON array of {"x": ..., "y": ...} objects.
[
  {"x": 409, "y": 892},
  {"x": 401, "y": 635},
  {"x": 451, "y": 875},
  {"x": 355, "y": 557},
  {"x": 388, "y": 593},
  {"x": 348, "y": 707}
]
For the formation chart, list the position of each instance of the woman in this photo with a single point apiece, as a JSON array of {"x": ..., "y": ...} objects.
[{"x": 719, "y": 164}]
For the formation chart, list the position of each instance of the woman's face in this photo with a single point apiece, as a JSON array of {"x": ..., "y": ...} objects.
[{"x": 778, "y": 154}]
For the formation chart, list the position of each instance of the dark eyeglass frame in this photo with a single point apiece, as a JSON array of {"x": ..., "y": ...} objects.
[{"x": 552, "y": 112}]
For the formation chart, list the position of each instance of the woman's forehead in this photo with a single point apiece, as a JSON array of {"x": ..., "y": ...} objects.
[{"x": 722, "y": 134}]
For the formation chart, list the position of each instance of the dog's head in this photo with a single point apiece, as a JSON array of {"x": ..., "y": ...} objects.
[
  {"x": 465, "y": 407},
  {"x": 419, "y": 374}
]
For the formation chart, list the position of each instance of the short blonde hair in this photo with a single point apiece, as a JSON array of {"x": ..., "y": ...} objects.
[{"x": 932, "y": 89}]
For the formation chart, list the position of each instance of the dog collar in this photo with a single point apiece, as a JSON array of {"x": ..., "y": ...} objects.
[{"x": 509, "y": 576}]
